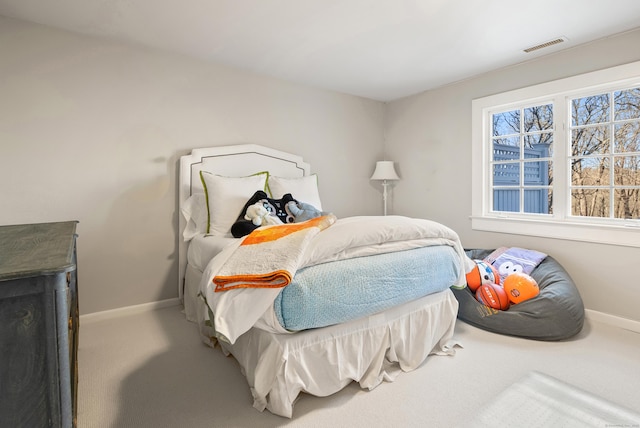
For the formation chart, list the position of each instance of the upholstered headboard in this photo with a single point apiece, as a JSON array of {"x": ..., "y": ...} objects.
[{"x": 231, "y": 161}]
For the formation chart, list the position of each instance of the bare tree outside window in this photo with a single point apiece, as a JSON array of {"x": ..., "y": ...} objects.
[{"x": 605, "y": 155}]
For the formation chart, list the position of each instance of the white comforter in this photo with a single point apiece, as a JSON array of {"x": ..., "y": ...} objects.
[{"x": 236, "y": 311}]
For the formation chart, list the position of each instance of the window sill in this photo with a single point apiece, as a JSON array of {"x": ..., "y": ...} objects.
[{"x": 628, "y": 236}]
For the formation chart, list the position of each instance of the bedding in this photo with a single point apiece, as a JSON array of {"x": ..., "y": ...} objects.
[
  {"x": 196, "y": 216},
  {"x": 305, "y": 189},
  {"x": 340, "y": 291},
  {"x": 203, "y": 248},
  {"x": 235, "y": 312},
  {"x": 269, "y": 256},
  {"x": 226, "y": 196}
]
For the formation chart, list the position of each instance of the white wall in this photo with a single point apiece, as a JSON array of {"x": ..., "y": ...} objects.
[
  {"x": 429, "y": 135},
  {"x": 92, "y": 131}
]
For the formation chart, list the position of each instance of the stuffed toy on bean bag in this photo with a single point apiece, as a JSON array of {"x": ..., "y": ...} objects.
[{"x": 556, "y": 313}]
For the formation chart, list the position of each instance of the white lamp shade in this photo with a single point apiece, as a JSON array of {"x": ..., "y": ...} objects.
[{"x": 385, "y": 171}]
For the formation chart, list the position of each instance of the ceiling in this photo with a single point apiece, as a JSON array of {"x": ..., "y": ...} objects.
[{"x": 379, "y": 49}]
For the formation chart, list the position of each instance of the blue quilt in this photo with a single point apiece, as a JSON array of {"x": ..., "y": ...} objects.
[{"x": 340, "y": 291}]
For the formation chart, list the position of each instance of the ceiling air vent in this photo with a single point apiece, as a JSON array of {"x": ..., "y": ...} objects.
[{"x": 545, "y": 44}]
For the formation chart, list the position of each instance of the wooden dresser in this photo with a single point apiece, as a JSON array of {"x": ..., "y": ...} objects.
[{"x": 38, "y": 325}]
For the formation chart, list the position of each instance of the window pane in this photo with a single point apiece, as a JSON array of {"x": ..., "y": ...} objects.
[
  {"x": 506, "y": 148},
  {"x": 627, "y": 104},
  {"x": 506, "y": 174},
  {"x": 627, "y": 170},
  {"x": 538, "y": 145},
  {"x": 627, "y": 137},
  {"x": 589, "y": 110},
  {"x": 538, "y": 118},
  {"x": 627, "y": 203},
  {"x": 506, "y": 200},
  {"x": 537, "y": 201},
  {"x": 590, "y": 172},
  {"x": 590, "y": 202},
  {"x": 537, "y": 173},
  {"x": 506, "y": 123},
  {"x": 590, "y": 141}
]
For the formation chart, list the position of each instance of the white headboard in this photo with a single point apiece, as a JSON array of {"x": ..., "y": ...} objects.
[{"x": 231, "y": 161}]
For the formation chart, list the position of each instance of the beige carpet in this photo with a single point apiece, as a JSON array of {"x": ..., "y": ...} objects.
[
  {"x": 151, "y": 370},
  {"x": 538, "y": 400}
]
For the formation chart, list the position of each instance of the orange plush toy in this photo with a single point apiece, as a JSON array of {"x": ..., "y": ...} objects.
[{"x": 482, "y": 273}]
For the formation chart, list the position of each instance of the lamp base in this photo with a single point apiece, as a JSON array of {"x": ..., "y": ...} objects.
[{"x": 384, "y": 195}]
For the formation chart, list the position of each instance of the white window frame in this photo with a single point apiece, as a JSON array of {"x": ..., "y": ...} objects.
[{"x": 557, "y": 225}]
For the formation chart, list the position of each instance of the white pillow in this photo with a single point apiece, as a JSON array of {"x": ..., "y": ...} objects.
[
  {"x": 226, "y": 196},
  {"x": 195, "y": 212},
  {"x": 303, "y": 189}
]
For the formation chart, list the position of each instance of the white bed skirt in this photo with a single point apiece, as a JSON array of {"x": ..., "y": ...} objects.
[{"x": 323, "y": 361}]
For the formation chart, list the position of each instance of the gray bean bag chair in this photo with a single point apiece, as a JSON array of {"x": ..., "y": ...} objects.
[{"x": 556, "y": 313}]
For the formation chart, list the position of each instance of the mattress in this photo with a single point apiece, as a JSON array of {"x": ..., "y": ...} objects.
[{"x": 344, "y": 290}]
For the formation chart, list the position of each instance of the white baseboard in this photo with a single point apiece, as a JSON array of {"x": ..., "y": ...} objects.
[
  {"x": 590, "y": 314},
  {"x": 613, "y": 320},
  {"x": 128, "y": 310}
]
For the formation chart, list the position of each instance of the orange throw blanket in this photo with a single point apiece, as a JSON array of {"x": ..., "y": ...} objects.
[{"x": 269, "y": 256}]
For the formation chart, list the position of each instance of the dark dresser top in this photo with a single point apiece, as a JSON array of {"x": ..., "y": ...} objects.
[{"x": 36, "y": 249}]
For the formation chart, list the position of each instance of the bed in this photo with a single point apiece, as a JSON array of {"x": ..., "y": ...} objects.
[{"x": 383, "y": 306}]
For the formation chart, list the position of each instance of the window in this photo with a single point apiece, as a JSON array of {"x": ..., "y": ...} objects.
[
  {"x": 521, "y": 148},
  {"x": 605, "y": 149},
  {"x": 561, "y": 159}
]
